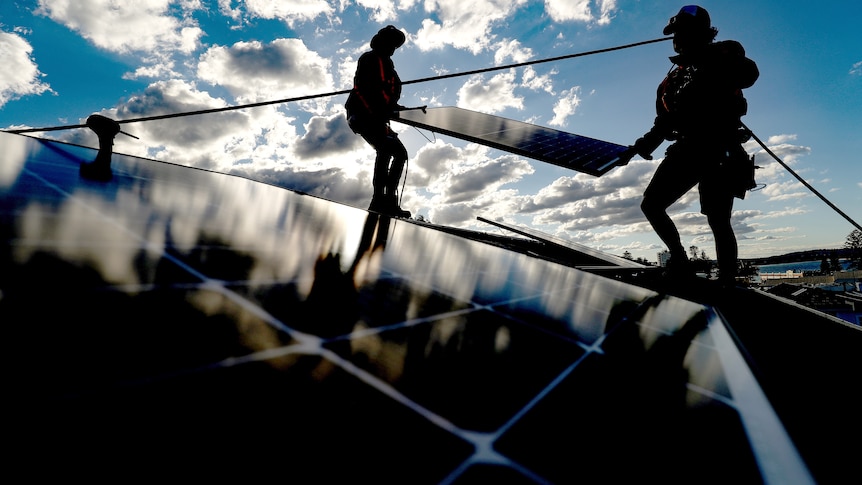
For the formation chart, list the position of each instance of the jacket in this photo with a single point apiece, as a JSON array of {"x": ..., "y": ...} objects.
[
  {"x": 376, "y": 89},
  {"x": 701, "y": 97}
]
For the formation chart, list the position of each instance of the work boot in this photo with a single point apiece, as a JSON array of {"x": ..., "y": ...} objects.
[
  {"x": 378, "y": 203},
  {"x": 727, "y": 278},
  {"x": 679, "y": 269},
  {"x": 392, "y": 207}
]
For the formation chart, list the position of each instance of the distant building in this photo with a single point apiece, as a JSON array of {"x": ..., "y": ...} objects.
[
  {"x": 788, "y": 275},
  {"x": 663, "y": 258}
]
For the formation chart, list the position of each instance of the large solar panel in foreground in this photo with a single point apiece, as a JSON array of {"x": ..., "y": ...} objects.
[
  {"x": 568, "y": 150},
  {"x": 185, "y": 322}
]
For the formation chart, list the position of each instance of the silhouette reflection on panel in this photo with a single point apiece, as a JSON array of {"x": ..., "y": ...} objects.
[
  {"x": 629, "y": 412},
  {"x": 333, "y": 301}
]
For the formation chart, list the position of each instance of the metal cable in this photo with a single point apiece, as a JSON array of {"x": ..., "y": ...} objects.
[
  {"x": 806, "y": 184},
  {"x": 345, "y": 91}
]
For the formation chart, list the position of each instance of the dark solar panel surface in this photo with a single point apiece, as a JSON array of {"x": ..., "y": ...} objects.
[
  {"x": 184, "y": 323},
  {"x": 567, "y": 150}
]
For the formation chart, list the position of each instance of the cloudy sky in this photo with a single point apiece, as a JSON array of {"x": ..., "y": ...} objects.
[{"x": 66, "y": 59}]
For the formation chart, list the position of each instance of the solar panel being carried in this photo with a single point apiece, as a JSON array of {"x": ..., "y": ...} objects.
[{"x": 576, "y": 152}]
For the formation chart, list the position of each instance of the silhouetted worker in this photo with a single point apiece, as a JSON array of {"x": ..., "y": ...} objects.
[
  {"x": 371, "y": 103},
  {"x": 699, "y": 106}
]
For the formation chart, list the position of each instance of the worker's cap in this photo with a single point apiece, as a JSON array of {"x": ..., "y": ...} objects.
[
  {"x": 388, "y": 36},
  {"x": 690, "y": 18}
]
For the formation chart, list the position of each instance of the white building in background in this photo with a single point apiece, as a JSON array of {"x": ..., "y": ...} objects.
[
  {"x": 663, "y": 258},
  {"x": 789, "y": 274}
]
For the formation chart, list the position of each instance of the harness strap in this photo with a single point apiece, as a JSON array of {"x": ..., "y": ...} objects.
[
  {"x": 386, "y": 96},
  {"x": 383, "y": 78}
]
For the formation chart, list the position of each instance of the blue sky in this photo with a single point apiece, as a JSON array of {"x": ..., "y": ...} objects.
[{"x": 66, "y": 59}]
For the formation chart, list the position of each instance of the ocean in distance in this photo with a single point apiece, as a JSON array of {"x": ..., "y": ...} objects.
[{"x": 801, "y": 266}]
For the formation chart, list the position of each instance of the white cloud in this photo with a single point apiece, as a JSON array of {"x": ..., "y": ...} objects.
[
  {"x": 565, "y": 106},
  {"x": 327, "y": 135},
  {"x": 381, "y": 10},
  {"x": 140, "y": 25},
  {"x": 289, "y": 12},
  {"x": 581, "y": 10},
  {"x": 469, "y": 181},
  {"x": 568, "y": 10},
  {"x": 491, "y": 97},
  {"x": 580, "y": 202},
  {"x": 606, "y": 9},
  {"x": 253, "y": 71},
  {"x": 155, "y": 70},
  {"x": 432, "y": 161},
  {"x": 463, "y": 25},
  {"x": 346, "y": 70},
  {"x": 787, "y": 152},
  {"x": 779, "y": 213},
  {"x": 20, "y": 75},
  {"x": 226, "y": 9},
  {"x": 186, "y": 138},
  {"x": 532, "y": 80},
  {"x": 511, "y": 49},
  {"x": 777, "y": 139},
  {"x": 784, "y": 191},
  {"x": 466, "y": 182}
]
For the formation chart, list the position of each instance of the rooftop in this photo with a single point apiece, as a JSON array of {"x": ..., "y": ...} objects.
[{"x": 174, "y": 320}]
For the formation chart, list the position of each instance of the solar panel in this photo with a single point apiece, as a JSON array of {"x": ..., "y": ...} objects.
[
  {"x": 603, "y": 260},
  {"x": 179, "y": 319},
  {"x": 575, "y": 152}
]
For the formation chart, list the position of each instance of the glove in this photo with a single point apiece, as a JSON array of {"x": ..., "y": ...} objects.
[
  {"x": 626, "y": 156},
  {"x": 644, "y": 147}
]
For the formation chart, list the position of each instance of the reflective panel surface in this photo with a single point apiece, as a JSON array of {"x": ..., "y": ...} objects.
[
  {"x": 183, "y": 321},
  {"x": 568, "y": 150}
]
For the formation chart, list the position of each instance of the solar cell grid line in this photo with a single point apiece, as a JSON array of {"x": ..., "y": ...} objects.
[{"x": 568, "y": 150}]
